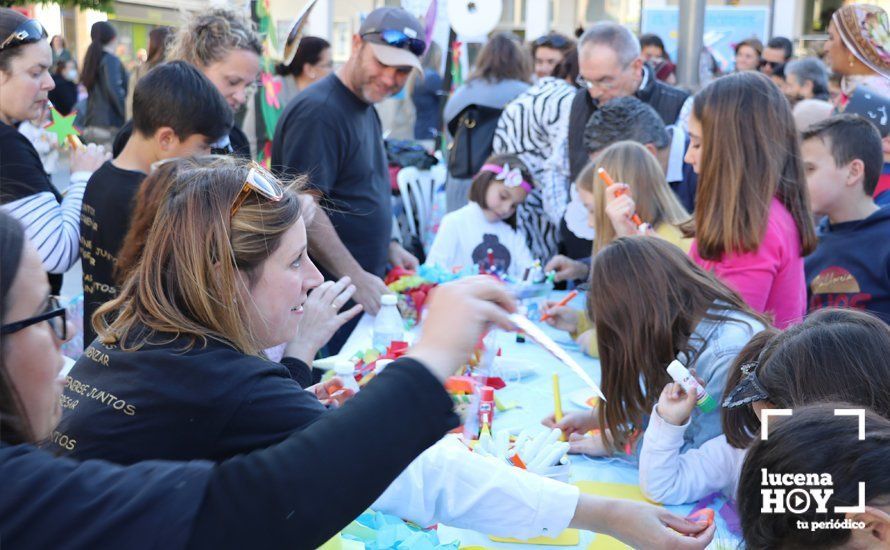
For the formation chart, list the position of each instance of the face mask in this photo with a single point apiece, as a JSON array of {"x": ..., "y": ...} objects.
[{"x": 71, "y": 75}]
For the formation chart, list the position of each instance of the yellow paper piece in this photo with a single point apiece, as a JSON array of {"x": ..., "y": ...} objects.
[
  {"x": 605, "y": 542},
  {"x": 569, "y": 537},
  {"x": 624, "y": 491}
]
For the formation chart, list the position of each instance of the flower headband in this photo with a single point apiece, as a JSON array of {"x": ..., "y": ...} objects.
[{"x": 512, "y": 177}]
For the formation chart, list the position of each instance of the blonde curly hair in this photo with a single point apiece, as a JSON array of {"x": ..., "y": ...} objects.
[{"x": 207, "y": 37}]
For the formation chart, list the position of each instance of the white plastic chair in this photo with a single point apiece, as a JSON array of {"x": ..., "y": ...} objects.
[{"x": 417, "y": 189}]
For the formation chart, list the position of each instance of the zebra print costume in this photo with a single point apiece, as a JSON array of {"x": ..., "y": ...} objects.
[{"x": 530, "y": 127}]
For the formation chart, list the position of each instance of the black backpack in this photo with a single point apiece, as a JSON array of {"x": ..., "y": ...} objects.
[{"x": 473, "y": 130}]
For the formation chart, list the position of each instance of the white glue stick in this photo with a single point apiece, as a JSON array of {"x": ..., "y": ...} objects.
[{"x": 682, "y": 376}]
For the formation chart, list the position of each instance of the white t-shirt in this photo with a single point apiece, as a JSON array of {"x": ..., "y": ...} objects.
[{"x": 465, "y": 237}]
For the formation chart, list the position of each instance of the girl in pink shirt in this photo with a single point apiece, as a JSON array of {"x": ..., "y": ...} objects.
[{"x": 752, "y": 217}]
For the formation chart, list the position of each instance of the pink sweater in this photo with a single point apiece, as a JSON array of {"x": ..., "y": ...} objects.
[{"x": 770, "y": 279}]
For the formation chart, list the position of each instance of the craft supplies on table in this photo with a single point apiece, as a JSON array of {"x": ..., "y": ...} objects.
[{"x": 528, "y": 372}]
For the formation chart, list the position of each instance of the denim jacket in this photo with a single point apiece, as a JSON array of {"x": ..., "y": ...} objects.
[{"x": 716, "y": 345}]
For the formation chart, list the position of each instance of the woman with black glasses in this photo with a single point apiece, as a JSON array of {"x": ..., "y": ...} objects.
[
  {"x": 271, "y": 498},
  {"x": 51, "y": 221}
]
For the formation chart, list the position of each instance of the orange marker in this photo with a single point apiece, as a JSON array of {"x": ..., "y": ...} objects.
[
  {"x": 607, "y": 179},
  {"x": 569, "y": 297},
  {"x": 74, "y": 142}
]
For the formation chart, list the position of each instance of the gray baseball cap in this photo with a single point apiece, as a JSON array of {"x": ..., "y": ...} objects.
[{"x": 395, "y": 36}]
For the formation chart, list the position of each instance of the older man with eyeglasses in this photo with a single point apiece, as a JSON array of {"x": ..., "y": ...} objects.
[
  {"x": 610, "y": 67},
  {"x": 332, "y": 133}
]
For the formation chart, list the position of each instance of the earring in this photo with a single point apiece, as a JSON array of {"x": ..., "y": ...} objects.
[{"x": 851, "y": 61}]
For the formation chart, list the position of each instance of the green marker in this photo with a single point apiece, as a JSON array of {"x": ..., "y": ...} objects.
[{"x": 682, "y": 376}]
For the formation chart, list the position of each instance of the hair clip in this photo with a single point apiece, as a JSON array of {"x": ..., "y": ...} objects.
[
  {"x": 749, "y": 367},
  {"x": 512, "y": 177}
]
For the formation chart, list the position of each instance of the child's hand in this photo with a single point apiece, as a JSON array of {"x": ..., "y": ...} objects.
[
  {"x": 587, "y": 444},
  {"x": 675, "y": 404},
  {"x": 620, "y": 208},
  {"x": 562, "y": 317},
  {"x": 566, "y": 268},
  {"x": 574, "y": 423}
]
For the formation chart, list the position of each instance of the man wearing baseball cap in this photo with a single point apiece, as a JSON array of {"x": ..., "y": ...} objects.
[{"x": 332, "y": 133}]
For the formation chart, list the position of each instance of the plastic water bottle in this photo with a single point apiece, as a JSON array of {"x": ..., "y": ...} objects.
[
  {"x": 345, "y": 372},
  {"x": 388, "y": 325}
]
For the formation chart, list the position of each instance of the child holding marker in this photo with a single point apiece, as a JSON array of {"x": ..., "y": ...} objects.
[
  {"x": 654, "y": 305},
  {"x": 753, "y": 224},
  {"x": 483, "y": 233},
  {"x": 612, "y": 207},
  {"x": 625, "y": 181},
  {"x": 833, "y": 355}
]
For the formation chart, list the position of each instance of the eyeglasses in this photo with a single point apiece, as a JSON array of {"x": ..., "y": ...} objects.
[
  {"x": 29, "y": 31},
  {"x": 554, "y": 41},
  {"x": 607, "y": 83},
  {"x": 261, "y": 182},
  {"x": 55, "y": 314},
  {"x": 398, "y": 39}
]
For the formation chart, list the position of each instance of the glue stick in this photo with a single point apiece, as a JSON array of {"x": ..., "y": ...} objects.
[
  {"x": 486, "y": 405},
  {"x": 682, "y": 376}
]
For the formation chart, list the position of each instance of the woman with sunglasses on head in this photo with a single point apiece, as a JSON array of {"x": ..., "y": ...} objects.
[
  {"x": 177, "y": 371},
  {"x": 26, "y": 192},
  {"x": 548, "y": 51},
  {"x": 226, "y": 48},
  {"x": 269, "y": 498}
]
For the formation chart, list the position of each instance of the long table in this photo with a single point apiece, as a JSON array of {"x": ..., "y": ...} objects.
[{"x": 533, "y": 396}]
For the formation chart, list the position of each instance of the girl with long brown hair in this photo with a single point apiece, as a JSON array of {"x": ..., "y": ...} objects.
[
  {"x": 753, "y": 224},
  {"x": 651, "y": 305},
  {"x": 785, "y": 370}
]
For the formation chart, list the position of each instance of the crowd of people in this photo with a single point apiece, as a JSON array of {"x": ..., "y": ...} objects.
[{"x": 729, "y": 228}]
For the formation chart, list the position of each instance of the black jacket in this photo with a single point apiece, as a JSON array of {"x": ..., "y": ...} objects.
[
  {"x": 106, "y": 104},
  {"x": 272, "y": 498}
]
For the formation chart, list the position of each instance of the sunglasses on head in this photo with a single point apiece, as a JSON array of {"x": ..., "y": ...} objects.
[
  {"x": 55, "y": 315},
  {"x": 773, "y": 64},
  {"x": 557, "y": 42},
  {"x": 26, "y": 33},
  {"x": 261, "y": 182},
  {"x": 398, "y": 39}
]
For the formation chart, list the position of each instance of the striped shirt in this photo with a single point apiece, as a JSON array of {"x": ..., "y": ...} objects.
[
  {"x": 529, "y": 127},
  {"x": 53, "y": 228}
]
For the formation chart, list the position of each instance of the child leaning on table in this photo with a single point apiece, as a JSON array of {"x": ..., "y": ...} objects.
[
  {"x": 484, "y": 232},
  {"x": 833, "y": 355},
  {"x": 651, "y": 305}
]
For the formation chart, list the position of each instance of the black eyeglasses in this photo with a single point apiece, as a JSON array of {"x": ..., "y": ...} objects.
[
  {"x": 29, "y": 31},
  {"x": 772, "y": 64},
  {"x": 554, "y": 41},
  {"x": 398, "y": 39},
  {"x": 55, "y": 315}
]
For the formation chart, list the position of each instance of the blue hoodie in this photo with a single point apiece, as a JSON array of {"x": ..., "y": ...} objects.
[{"x": 851, "y": 266}]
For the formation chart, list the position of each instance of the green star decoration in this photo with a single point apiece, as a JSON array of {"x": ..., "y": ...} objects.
[{"x": 62, "y": 126}]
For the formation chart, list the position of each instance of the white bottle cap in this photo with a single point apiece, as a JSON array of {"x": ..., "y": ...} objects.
[
  {"x": 389, "y": 299},
  {"x": 677, "y": 371}
]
